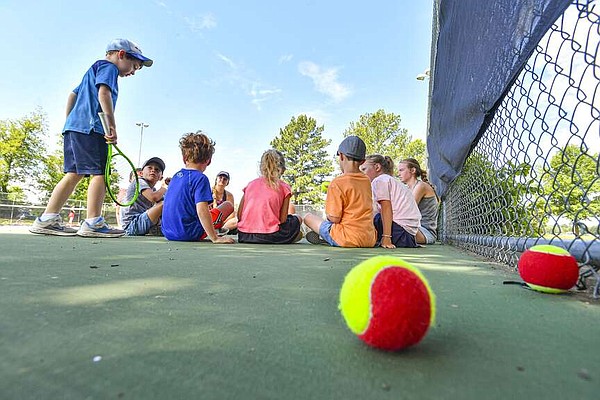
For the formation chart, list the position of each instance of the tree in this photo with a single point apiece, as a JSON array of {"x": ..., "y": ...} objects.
[
  {"x": 308, "y": 164},
  {"x": 21, "y": 150},
  {"x": 572, "y": 183},
  {"x": 382, "y": 134}
]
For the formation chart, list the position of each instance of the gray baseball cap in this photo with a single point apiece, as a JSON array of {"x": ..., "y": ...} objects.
[
  {"x": 130, "y": 48},
  {"x": 353, "y": 146}
]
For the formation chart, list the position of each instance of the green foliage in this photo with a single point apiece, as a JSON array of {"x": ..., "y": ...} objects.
[
  {"x": 493, "y": 200},
  {"x": 572, "y": 183},
  {"x": 307, "y": 161},
  {"x": 382, "y": 134},
  {"x": 21, "y": 150}
]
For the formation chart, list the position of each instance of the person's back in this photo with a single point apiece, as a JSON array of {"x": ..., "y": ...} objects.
[
  {"x": 263, "y": 213},
  {"x": 428, "y": 206},
  {"x": 348, "y": 205},
  {"x": 186, "y": 214},
  {"x": 349, "y": 197}
]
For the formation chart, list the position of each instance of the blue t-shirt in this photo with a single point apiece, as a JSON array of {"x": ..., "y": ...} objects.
[
  {"x": 179, "y": 218},
  {"x": 83, "y": 118}
]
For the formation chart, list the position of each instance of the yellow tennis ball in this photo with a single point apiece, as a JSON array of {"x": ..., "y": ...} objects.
[
  {"x": 387, "y": 303},
  {"x": 325, "y": 186}
]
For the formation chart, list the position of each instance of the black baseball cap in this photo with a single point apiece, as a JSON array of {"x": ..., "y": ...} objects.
[{"x": 157, "y": 161}]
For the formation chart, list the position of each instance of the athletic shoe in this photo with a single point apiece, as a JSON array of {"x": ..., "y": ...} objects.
[
  {"x": 99, "y": 230},
  {"x": 222, "y": 231},
  {"x": 314, "y": 238},
  {"x": 53, "y": 226}
]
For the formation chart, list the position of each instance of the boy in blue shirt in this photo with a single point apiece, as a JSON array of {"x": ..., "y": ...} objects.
[
  {"x": 85, "y": 142},
  {"x": 186, "y": 216}
]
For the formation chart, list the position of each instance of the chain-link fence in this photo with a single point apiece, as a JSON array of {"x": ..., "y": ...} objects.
[
  {"x": 534, "y": 176},
  {"x": 23, "y": 212}
]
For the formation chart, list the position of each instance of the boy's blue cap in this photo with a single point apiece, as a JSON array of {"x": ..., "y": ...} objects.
[
  {"x": 353, "y": 146},
  {"x": 130, "y": 48}
]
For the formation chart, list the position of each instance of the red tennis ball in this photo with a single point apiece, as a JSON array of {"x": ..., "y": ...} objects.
[
  {"x": 387, "y": 303},
  {"x": 548, "y": 269}
]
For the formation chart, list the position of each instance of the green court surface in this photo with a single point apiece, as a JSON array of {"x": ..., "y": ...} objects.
[{"x": 144, "y": 318}]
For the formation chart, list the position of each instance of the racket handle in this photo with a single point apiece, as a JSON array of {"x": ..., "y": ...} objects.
[{"x": 105, "y": 122}]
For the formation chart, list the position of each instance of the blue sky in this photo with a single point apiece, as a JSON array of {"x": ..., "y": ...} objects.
[{"x": 238, "y": 70}]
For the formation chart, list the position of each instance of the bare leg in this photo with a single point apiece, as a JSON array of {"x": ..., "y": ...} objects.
[
  {"x": 226, "y": 209},
  {"x": 420, "y": 238},
  {"x": 62, "y": 191},
  {"x": 155, "y": 212},
  {"x": 231, "y": 224},
  {"x": 313, "y": 222},
  {"x": 95, "y": 196}
]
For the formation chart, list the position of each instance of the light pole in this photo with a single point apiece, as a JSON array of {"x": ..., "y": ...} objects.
[
  {"x": 142, "y": 126},
  {"x": 424, "y": 75}
]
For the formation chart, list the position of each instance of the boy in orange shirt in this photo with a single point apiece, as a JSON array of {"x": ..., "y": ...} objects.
[{"x": 348, "y": 205}]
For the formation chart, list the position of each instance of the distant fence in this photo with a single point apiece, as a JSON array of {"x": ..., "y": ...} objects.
[
  {"x": 534, "y": 177},
  {"x": 24, "y": 212}
]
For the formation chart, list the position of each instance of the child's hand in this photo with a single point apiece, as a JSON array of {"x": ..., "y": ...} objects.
[
  {"x": 111, "y": 137},
  {"x": 386, "y": 242},
  {"x": 223, "y": 240}
]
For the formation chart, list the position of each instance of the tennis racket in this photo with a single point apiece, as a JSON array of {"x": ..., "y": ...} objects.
[{"x": 118, "y": 169}]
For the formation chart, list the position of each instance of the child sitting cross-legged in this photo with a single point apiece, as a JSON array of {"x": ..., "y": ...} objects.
[
  {"x": 396, "y": 213},
  {"x": 186, "y": 216},
  {"x": 348, "y": 204},
  {"x": 263, "y": 213}
]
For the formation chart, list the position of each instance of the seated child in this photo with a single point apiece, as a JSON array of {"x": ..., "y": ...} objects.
[
  {"x": 221, "y": 195},
  {"x": 263, "y": 211},
  {"x": 397, "y": 216},
  {"x": 186, "y": 216},
  {"x": 144, "y": 214},
  {"x": 415, "y": 178},
  {"x": 348, "y": 204}
]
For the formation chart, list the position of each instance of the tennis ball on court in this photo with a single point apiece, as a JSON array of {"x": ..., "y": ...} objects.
[
  {"x": 325, "y": 186},
  {"x": 387, "y": 303},
  {"x": 549, "y": 269}
]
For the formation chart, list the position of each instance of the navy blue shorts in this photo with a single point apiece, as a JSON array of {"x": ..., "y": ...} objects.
[
  {"x": 288, "y": 231},
  {"x": 84, "y": 154},
  {"x": 400, "y": 238}
]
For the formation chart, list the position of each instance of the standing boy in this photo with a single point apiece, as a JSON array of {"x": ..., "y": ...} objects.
[
  {"x": 144, "y": 214},
  {"x": 186, "y": 216},
  {"x": 85, "y": 142},
  {"x": 348, "y": 205}
]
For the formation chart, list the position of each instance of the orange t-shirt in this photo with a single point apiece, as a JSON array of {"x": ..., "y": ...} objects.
[{"x": 349, "y": 198}]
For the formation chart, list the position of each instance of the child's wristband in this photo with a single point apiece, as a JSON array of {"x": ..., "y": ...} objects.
[{"x": 390, "y": 236}]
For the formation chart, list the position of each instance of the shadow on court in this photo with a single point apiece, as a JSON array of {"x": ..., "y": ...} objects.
[{"x": 144, "y": 318}]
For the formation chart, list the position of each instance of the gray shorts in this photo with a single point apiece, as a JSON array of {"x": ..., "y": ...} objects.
[{"x": 430, "y": 237}]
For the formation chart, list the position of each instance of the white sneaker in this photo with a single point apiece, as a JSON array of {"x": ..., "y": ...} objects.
[
  {"x": 99, "y": 230},
  {"x": 53, "y": 226}
]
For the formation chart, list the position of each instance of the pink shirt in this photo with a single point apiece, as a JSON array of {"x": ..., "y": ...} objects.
[
  {"x": 405, "y": 211},
  {"x": 262, "y": 206}
]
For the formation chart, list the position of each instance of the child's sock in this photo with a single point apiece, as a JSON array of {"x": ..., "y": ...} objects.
[
  {"x": 47, "y": 216},
  {"x": 93, "y": 221}
]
